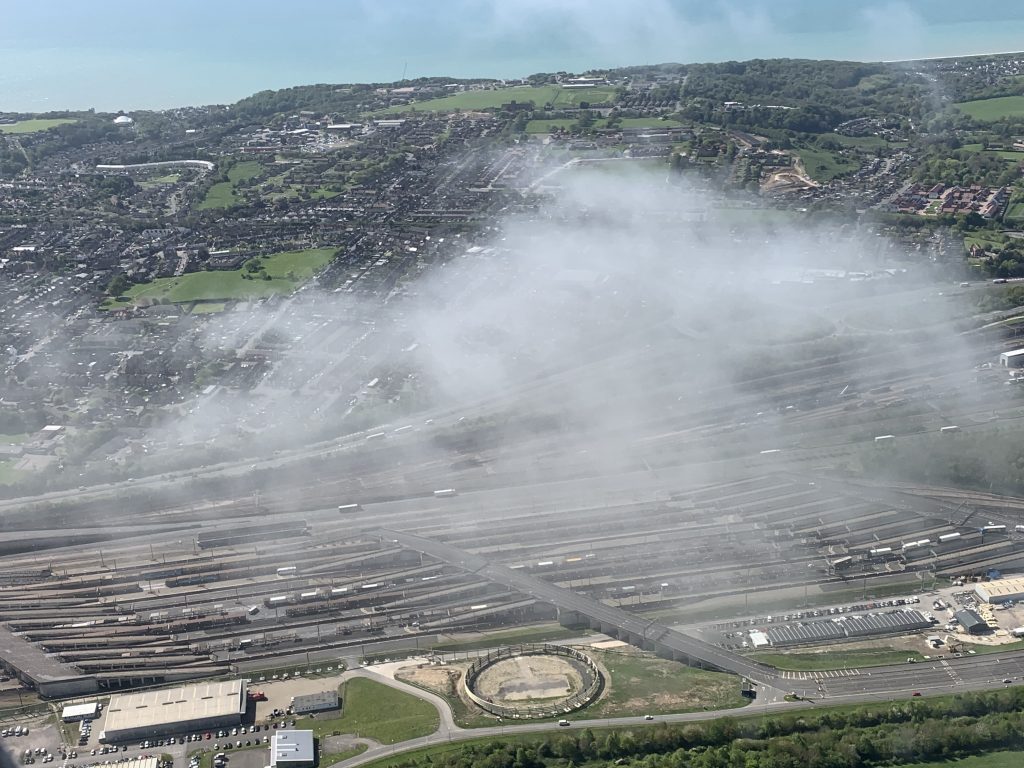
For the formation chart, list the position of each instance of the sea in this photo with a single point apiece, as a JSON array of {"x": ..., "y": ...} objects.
[{"x": 112, "y": 55}]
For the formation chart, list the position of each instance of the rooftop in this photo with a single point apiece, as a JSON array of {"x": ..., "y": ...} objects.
[
  {"x": 291, "y": 747},
  {"x": 173, "y": 705}
]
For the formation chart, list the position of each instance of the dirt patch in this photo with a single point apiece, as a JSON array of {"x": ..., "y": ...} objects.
[
  {"x": 442, "y": 680},
  {"x": 528, "y": 678}
]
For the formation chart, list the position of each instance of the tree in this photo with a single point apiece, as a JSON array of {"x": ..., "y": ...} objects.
[{"x": 119, "y": 285}]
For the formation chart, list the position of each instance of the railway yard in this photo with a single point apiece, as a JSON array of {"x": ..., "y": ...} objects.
[
  {"x": 672, "y": 525},
  {"x": 706, "y": 501}
]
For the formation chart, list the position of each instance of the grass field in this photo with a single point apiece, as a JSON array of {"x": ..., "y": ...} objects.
[
  {"x": 852, "y": 658},
  {"x": 287, "y": 271},
  {"x": 8, "y": 474},
  {"x": 863, "y": 142},
  {"x": 377, "y": 711},
  {"x": 15, "y": 439},
  {"x": 988, "y": 110},
  {"x": 825, "y": 166},
  {"x": 991, "y": 760},
  {"x": 223, "y": 194},
  {"x": 330, "y": 758},
  {"x": 526, "y": 635},
  {"x": 555, "y": 95},
  {"x": 34, "y": 126},
  {"x": 642, "y": 684},
  {"x": 208, "y": 307}
]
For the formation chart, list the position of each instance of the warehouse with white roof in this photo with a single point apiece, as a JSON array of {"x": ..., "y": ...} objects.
[
  {"x": 142, "y": 715},
  {"x": 1000, "y": 590}
]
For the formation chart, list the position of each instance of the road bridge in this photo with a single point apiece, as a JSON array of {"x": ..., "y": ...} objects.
[{"x": 574, "y": 609}]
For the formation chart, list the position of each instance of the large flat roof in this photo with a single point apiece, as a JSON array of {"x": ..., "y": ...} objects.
[
  {"x": 1000, "y": 589},
  {"x": 291, "y": 747},
  {"x": 150, "y": 709},
  {"x": 33, "y": 661}
]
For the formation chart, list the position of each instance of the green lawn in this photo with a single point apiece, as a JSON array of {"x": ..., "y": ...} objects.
[
  {"x": 16, "y": 439},
  {"x": 208, "y": 307},
  {"x": 988, "y": 110},
  {"x": 852, "y": 658},
  {"x": 990, "y": 760},
  {"x": 287, "y": 271},
  {"x": 33, "y": 126},
  {"x": 555, "y": 95},
  {"x": 223, "y": 194},
  {"x": 642, "y": 684},
  {"x": 526, "y": 635},
  {"x": 330, "y": 758},
  {"x": 170, "y": 178},
  {"x": 863, "y": 142},
  {"x": 377, "y": 711},
  {"x": 825, "y": 166},
  {"x": 8, "y": 474}
]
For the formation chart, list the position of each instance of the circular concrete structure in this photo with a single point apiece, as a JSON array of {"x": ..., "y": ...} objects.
[{"x": 533, "y": 681}]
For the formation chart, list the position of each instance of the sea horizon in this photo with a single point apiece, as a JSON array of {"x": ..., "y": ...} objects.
[{"x": 129, "y": 58}]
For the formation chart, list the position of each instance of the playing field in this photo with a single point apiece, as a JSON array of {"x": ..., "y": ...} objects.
[
  {"x": 554, "y": 95},
  {"x": 222, "y": 194},
  {"x": 287, "y": 270},
  {"x": 988, "y": 110},
  {"x": 32, "y": 126}
]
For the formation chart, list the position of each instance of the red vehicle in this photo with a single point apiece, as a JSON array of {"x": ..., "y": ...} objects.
[{"x": 257, "y": 695}]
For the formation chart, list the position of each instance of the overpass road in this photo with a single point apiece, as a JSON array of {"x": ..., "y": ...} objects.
[
  {"x": 573, "y": 607},
  {"x": 969, "y": 672}
]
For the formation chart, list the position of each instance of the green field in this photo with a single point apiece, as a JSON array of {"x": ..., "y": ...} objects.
[
  {"x": 849, "y": 659},
  {"x": 34, "y": 126},
  {"x": 825, "y": 166},
  {"x": 989, "y": 110},
  {"x": 15, "y": 439},
  {"x": 287, "y": 271},
  {"x": 526, "y": 635},
  {"x": 208, "y": 307},
  {"x": 642, "y": 684},
  {"x": 377, "y": 711},
  {"x": 555, "y": 95},
  {"x": 223, "y": 193},
  {"x": 991, "y": 760},
  {"x": 8, "y": 474}
]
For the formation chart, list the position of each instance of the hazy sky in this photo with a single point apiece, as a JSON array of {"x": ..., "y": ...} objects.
[{"x": 134, "y": 54}]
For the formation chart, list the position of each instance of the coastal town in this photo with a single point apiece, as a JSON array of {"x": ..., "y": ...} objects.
[{"x": 138, "y": 251}]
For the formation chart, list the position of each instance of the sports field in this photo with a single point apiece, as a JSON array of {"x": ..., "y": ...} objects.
[
  {"x": 222, "y": 194},
  {"x": 286, "y": 270},
  {"x": 988, "y": 110},
  {"x": 554, "y": 95},
  {"x": 33, "y": 126}
]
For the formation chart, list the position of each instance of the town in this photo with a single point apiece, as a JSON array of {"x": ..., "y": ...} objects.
[{"x": 349, "y": 416}]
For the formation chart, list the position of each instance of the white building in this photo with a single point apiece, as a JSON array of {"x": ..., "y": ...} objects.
[
  {"x": 1012, "y": 359},
  {"x": 292, "y": 749},
  {"x": 74, "y": 712},
  {"x": 1000, "y": 590}
]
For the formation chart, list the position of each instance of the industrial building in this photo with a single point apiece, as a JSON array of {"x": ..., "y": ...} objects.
[
  {"x": 292, "y": 749},
  {"x": 72, "y": 713},
  {"x": 1000, "y": 590},
  {"x": 847, "y": 627},
  {"x": 1012, "y": 359},
  {"x": 135, "y": 716},
  {"x": 315, "y": 702},
  {"x": 972, "y": 623}
]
